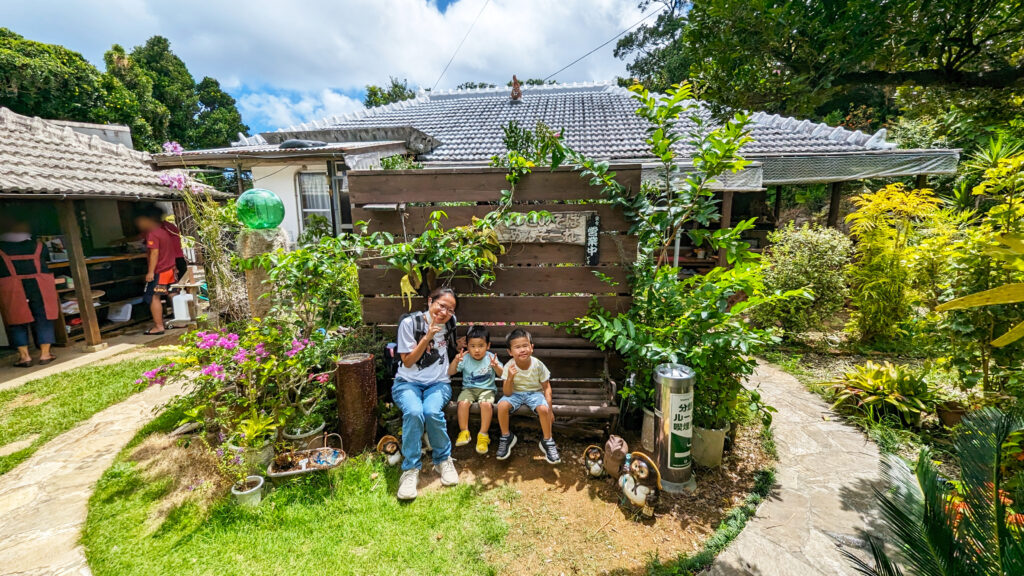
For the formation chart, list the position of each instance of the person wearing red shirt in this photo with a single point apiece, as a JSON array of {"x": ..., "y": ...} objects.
[{"x": 163, "y": 248}]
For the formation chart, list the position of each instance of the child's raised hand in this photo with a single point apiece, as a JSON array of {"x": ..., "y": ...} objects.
[
  {"x": 494, "y": 362},
  {"x": 512, "y": 371},
  {"x": 460, "y": 356}
]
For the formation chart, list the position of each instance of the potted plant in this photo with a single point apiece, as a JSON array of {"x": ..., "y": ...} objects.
[
  {"x": 246, "y": 488},
  {"x": 305, "y": 427},
  {"x": 390, "y": 416},
  {"x": 255, "y": 439}
]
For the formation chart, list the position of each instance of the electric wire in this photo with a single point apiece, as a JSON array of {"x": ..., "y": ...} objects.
[
  {"x": 459, "y": 47},
  {"x": 609, "y": 41}
]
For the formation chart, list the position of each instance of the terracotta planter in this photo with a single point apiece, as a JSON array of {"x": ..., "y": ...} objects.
[
  {"x": 951, "y": 413},
  {"x": 251, "y": 493},
  {"x": 708, "y": 446}
]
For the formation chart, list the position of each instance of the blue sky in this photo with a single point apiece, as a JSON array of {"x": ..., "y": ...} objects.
[{"x": 291, "y": 61}]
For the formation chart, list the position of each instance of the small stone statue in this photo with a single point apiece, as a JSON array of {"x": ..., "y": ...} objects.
[
  {"x": 593, "y": 461},
  {"x": 391, "y": 449},
  {"x": 517, "y": 92}
]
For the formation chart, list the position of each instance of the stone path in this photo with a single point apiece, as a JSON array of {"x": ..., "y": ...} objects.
[
  {"x": 43, "y": 501},
  {"x": 822, "y": 502}
]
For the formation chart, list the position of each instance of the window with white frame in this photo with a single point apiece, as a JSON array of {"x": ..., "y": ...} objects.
[{"x": 314, "y": 196}]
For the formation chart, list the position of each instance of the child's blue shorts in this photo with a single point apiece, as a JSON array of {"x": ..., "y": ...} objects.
[{"x": 531, "y": 399}]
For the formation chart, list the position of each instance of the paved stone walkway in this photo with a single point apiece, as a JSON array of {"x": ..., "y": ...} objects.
[
  {"x": 43, "y": 501},
  {"x": 823, "y": 501}
]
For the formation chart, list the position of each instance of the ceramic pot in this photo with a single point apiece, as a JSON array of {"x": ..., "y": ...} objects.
[
  {"x": 251, "y": 496},
  {"x": 951, "y": 413},
  {"x": 708, "y": 446},
  {"x": 301, "y": 438},
  {"x": 257, "y": 458}
]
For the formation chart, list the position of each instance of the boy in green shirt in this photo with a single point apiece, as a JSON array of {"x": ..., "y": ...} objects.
[{"x": 479, "y": 368}]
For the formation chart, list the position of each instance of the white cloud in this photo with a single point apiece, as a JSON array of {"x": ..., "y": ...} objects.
[
  {"x": 320, "y": 50},
  {"x": 283, "y": 110}
]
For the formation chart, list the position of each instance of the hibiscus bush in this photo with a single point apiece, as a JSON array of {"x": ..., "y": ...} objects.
[{"x": 248, "y": 386}]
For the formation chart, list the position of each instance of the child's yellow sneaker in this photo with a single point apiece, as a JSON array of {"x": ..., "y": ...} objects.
[
  {"x": 463, "y": 439},
  {"x": 482, "y": 442}
]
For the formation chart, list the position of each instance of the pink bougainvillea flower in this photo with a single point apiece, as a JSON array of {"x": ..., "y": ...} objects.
[
  {"x": 241, "y": 356},
  {"x": 215, "y": 370},
  {"x": 174, "y": 180},
  {"x": 297, "y": 346},
  {"x": 260, "y": 351},
  {"x": 173, "y": 147}
]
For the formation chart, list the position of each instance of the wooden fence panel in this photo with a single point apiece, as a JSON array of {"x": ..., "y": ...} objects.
[
  {"x": 512, "y": 281},
  {"x": 553, "y": 309},
  {"x": 416, "y": 217}
]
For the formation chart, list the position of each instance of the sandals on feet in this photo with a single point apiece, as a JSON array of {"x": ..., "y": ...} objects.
[
  {"x": 23, "y": 364},
  {"x": 153, "y": 332},
  {"x": 45, "y": 361}
]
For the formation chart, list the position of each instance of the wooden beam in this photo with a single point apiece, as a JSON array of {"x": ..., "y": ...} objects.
[
  {"x": 835, "y": 196},
  {"x": 80, "y": 274},
  {"x": 726, "y": 221},
  {"x": 778, "y": 205},
  {"x": 921, "y": 181}
]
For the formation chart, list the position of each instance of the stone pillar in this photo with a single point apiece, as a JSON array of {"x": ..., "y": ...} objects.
[
  {"x": 356, "y": 384},
  {"x": 253, "y": 243}
]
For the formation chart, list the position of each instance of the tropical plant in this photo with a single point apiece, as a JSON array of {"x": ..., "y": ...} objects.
[
  {"x": 884, "y": 225},
  {"x": 314, "y": 286},
  {"x": 938, "y": 527},
  {"x": 880, "y": 390},
  {"x": 808, "y": 257},
  {"x": 396, "y": 91}
]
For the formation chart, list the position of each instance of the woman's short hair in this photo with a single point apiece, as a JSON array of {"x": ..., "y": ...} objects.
[{"x": 441, "y": 291}]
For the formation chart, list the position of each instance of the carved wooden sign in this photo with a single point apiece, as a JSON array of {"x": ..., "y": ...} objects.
[{"x": 579, "y": 228}]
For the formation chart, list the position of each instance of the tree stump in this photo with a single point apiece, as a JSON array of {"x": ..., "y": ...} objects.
[
  {"x": 252, "y": 243},
  {"x": 356, "y": 384}
]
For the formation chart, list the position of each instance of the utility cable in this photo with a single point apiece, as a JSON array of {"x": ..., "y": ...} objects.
[
  {"x": 459, "y": 47},
  {"x": 610, "y": 40}
]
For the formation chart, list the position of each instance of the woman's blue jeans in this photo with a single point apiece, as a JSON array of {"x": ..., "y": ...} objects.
[
  {"x": 422, "y": 406},
  {"x": 41, "y": 326}
]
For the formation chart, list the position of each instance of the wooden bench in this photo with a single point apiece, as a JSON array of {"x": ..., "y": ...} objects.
[{"x": 539, "y": 287}]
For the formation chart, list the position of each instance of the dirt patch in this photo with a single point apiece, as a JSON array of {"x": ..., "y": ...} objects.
[
  {"x": 189, "y": 467},
  {"x": 24, "y": 401},
  {"x": 563, "y": 522}
]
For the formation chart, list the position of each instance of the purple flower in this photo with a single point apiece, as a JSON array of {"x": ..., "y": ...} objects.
[
  {"x": 228, "y": 341},
  {"x": 260, "y": 351},
  {"x": 237, "y": 459},
  {"x": 220, "y": 452},
  {"x": 297, "y": 346},
  {"x": 139, "y": 381},
  {"x": 240, "y": 356},
  {"x": 173, "y": 148},
  {"x": 174, "y": 180},
  {"x": 323, "y": 378},
  {"x": 215, "y": 370}
]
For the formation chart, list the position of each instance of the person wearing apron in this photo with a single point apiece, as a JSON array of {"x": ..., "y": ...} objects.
[{"x": 28, "y": 293}]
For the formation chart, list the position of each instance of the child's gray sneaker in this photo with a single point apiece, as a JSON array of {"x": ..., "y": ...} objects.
[
  {"x": 505, "y": 444},
  {"x": 550, "y": 451},
  {"x": 407, "y": 484},
  {"x": 449, "y": 475}
]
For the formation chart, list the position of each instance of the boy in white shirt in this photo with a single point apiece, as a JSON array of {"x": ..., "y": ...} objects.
[{"x": 527, "y": 382}]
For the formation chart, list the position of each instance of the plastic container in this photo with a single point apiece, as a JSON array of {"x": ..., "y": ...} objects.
[{"x": 252, "y": 496}]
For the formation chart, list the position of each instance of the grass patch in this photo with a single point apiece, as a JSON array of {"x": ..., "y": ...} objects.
[
  {"x": 50, "y": 406},
  {"x": 344, "y": 522}
]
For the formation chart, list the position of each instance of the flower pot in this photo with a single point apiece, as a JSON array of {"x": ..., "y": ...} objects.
[
  {"x": 301, "y": 438},
  {"x": 393, "y": 426},
  {"x": 708, "y": 445},
  {"x": 647, "y": 432},
  {"x": 951, "y": 413},
  {"x": 250, "y": 493},
  {"x": 256, "y": 458}
]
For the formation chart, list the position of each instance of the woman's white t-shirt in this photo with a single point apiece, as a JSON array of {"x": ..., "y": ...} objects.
[{"x": 436, "y": 372}]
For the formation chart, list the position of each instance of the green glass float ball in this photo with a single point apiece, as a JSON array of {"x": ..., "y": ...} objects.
[{"x": 260, "y": 209}]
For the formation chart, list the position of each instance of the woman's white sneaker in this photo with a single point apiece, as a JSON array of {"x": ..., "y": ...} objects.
[
  {"x": 407, "y": 484},
  {"x": 449, "y": 475}
]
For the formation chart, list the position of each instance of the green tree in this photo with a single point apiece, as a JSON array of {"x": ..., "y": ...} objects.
[
  {"x": 219, "y": 120},
  {"x": 49, "y": 81},
  {"x": 173, "y": 86},
  {"x": 473, "y": 85},
  {"x": 808, "y": 58},
  {"x": 149, "y": 124},
  {"x": 396, "y": 91}
]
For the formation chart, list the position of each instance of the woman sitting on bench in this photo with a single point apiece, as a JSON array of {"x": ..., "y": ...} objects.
[{"x": 422, "y": 389}]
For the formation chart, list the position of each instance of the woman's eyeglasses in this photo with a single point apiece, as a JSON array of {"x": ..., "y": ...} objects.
[{"x": 445, "y": 309}]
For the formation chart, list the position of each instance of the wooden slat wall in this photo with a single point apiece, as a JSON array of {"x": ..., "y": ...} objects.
[{"x": 536, "y": 286}]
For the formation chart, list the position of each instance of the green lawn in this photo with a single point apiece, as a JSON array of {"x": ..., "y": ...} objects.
[
  {"x": 345, "y": 523},
  {"x": 52, "y": 405}
]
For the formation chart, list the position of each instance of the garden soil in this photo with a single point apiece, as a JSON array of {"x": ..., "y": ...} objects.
[{"x": 563, "y": 522}]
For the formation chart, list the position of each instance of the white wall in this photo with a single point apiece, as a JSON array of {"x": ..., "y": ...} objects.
[{"x": 280, "y": 179}]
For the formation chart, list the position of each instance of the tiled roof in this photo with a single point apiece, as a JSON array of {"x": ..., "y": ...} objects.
[
  {"x": 598, "y": 120},
  {"x": 38, "y": 157}
]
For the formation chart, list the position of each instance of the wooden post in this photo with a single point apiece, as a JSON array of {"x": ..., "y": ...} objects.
[
  {"x": 80, "y": 274},
  {"x": 726, "y": 221},
  {"x": 921, "y": 181},
  {"x": 778, "y": 205},
  {"x": 836, "y": 194},
  {"x": 238, "y": 179}
]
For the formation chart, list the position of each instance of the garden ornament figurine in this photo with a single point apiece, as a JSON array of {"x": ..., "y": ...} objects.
[
  {"x": 640, "y": 482},
  {"x": 593, "y": 461},
  {"x": 389, "y": 446},
  {"x": 517, "y": 92}
]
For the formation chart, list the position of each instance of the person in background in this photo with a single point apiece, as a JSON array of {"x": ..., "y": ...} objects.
[
  {"x": 163, "y": 248},
  {"x": 180, "y": 263},
  {"x": 28, "y": 293}
]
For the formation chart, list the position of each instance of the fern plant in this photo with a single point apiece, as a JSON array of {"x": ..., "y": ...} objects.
[{"x": 939, "y": 528}]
